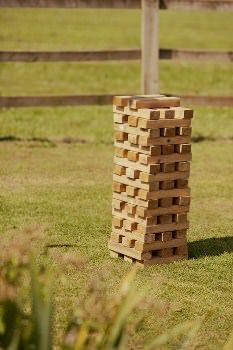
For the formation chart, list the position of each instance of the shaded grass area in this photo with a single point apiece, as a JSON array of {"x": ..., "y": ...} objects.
[
  {"x": 68, "y": 189},
  {"x": 43, "y": 29},
  {"x": 99, "y": 78},
  {"x": 94, "y": 124}
]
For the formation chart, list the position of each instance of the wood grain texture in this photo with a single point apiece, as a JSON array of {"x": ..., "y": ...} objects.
[
  {"x": 221, "y": 5},
  {"x": 149, "y": 47},
  {"x": 82, "y": 100},
  {"x": 112, "y": 55}
]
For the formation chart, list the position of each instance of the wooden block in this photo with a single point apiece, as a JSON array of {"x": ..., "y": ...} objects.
[
  {"x": 129, "y": 225},
  {"x": 149, "y": 187},
  {"x": 167, "y": 149},
  {"x": 155, "y": 150},
  {"x": 145, "y": 177},
  {"x": 169, "y": 114},
  {"x": 146, "y": 160},
  {"x": 143, "y": 158},
  {"x": 142, "y": 212},
  {"x": 167, "y": 167},
  {"x": 150, "y": 220},
  {"x": 166, "y": 141},
  {"x": 183, "y": 166},
  {"x": 143, "y": 229},
  {"x": 147, "y": 150},
  {"x": 143, "y": 140},
  {"x": 154, "y": 168},
  {"x": 132, "y": 191},
  {"x": 133, "y": 121},
  {"x": 151, "y": 168},
  {"x": 166, "y": 236},
  {"x": 128, "y": 242},
  {"x": 159, "y": 245},
  {"x": 145, "y": 238},
  {"x": 145, "y": 113},
  {"x": 153, "y": 204},
  {"x": 165, "y": 202},
  {"x": 184, "y": 200},
  {"x": 154, "y": 186},
  {"x": 180, "y": 234},
  {"x": 142, "y": 194},
  {"x": 121, "y": 152},
  {"x": 119, "y": 205},
  {"x": 182, "y": 250},
  {"x": 183, "y": 148},
  {"x": 164, "y": 253},
  {"x": 183, "y": 113},
  {"x": 119, "y": 170},
  {"x": 116, "y": 237},
  {"x": 156, "y": 102},
  {"x": 121, "y": 136},
  {"x": 131, "y": 252},
  {"x": 117, "y": 222},
  {"x": 168, "y": 132},
  {"x": 164, "y": 122},
  {"x": 133, "y": 156},
  {"x": 184, "y": 131},
  {"x": 181, "y": 183},
  {"x": 120, "y": 118},
  {"x": 188, "y": 113},
  {"x": 149, "y": 114},
  {"x": 154, "y": 133},
  {"x": 125, "y": 250},
  {"x": 131, "y": 209},
  {"x": 118, "y": 187},
  {"x": 132, "y": 173},
  {"x": 165, "y": 219},
  {"x": 121, "y": 101},
  {"x": 153, "y": 196},
  {"x": 133, "y": 139},
  {"x": 118, "y": 109},
  {"x": 181, "y": 217},
  {"x": 147, "y": 195},
  {"x": 167, "y": 185},
  {"x": 151, "y": 133}
]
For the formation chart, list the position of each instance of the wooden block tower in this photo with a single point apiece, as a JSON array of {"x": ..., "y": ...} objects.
[{"x": 151, "y": 196}]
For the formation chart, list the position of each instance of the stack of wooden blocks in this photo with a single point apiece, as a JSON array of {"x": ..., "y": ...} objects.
[{"x": 151, "y": 196}]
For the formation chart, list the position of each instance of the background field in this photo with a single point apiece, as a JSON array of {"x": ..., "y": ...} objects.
[{"x": 56, "y": 163}]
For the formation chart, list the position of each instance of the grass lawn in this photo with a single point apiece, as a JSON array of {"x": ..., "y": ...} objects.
[
  {"x": 67, "y": 186},
  {"x": 38, "y": 29}
]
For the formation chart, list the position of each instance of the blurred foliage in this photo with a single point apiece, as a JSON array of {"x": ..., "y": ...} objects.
[{"x": 100, "y": 322}]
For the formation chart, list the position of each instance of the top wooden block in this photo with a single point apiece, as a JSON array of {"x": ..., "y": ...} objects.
[
  {"x": 151, "y": 107},
  {"x": 146, "y": 101}
]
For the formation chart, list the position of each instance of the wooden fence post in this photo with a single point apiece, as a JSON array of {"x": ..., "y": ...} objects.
[{"x": 149, "y": 47}]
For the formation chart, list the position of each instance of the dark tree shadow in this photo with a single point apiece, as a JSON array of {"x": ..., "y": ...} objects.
[{"x": 210, "y": 247}]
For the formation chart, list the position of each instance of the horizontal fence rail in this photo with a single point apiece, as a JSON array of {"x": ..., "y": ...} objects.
[
  {"x": 82, "y": 100},
  {"x": 108, "y": 55},
  {"x": 224, "y": 5}
]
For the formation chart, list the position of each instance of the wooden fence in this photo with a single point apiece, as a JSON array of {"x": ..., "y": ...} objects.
[{"x": 149, "y": 53}]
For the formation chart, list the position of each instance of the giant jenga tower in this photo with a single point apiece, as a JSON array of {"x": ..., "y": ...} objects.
[{"x": 151, "y": 196}]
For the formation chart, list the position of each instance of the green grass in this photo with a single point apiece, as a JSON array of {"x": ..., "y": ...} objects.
[
  {"x": 99, "y": 29},
  {"x": 94, "y": 124},
  {"x": 67, "y": 187},
  {"x": 88, "y": 78}
]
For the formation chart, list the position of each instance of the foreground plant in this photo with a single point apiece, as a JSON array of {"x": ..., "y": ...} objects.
[{"x": 99, "y": 323}]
